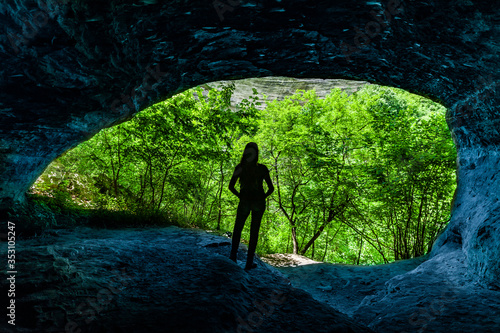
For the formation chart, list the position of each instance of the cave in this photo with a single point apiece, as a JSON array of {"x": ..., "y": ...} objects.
[{"x": 71, "y": 68}]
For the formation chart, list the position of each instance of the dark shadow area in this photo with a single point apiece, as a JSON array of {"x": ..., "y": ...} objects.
[{"x": 156, "y": 280}]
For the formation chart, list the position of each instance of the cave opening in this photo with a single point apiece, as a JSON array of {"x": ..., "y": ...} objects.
[
  {"x": 66, "y": 63},
  {"x": 364, "y": 174}
]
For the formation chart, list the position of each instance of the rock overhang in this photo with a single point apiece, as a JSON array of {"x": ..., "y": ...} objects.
[{"x": 72, "y": 68}]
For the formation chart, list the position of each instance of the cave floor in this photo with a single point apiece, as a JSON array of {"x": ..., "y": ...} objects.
[
  {"x": 178, "y": 280},
  {"x": 342, "y": 286},
  {"x": 417, "y": 295}
]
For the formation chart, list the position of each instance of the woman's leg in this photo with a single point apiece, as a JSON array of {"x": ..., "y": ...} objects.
[
  {"x": 241, "y": 215},
  {"x": 258, "y": 209}
]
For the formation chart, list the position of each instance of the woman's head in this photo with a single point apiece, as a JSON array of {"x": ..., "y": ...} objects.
[{"x": 250, "y": 154}]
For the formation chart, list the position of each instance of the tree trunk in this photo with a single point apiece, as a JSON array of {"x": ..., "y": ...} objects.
[
  {"x": 332, "y": 213},
  {"x": 313, "y": 239},
  {"x": 326, "y": 246},
  {"x": 219, "y": 215},
  {"x": 360, "y": 249},
  {"x": 294, "y": 241}
]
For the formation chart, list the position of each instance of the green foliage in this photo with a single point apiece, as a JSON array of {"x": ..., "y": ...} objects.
[{"x": 361, "y": 178}]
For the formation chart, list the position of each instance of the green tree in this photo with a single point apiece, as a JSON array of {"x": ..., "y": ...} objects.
[{"x": 360, "y": 178}]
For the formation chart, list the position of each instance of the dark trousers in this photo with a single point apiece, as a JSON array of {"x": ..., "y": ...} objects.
[{"x": 257, "y": 207}]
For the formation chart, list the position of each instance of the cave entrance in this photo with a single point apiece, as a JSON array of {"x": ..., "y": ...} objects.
[{"x": 364, "y": 174}]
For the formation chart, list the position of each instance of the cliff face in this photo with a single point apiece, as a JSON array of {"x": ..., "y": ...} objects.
[
  {"x": 70, "y": 68},
  {"x": 278, "y": 87}
]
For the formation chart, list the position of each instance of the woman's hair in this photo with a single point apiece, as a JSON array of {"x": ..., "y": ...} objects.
[
  {"x": 248, "y": 176},
  {"x": 250, "y": 154}
]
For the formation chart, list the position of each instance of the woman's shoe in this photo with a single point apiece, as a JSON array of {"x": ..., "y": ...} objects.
[{"x": 247, "y": 268}]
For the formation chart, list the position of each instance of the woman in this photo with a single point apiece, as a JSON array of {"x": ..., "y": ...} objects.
[{"x": 252, "y": 199}]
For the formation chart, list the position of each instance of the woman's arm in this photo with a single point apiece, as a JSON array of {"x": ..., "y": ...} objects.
[
  {"x": 270, "y": 186},
  {"x": 233, "y": 180}
]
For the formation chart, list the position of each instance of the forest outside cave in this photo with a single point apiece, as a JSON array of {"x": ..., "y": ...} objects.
[
  {"x": 128, "y": 231},
  {"x": 363, "y": 175}
]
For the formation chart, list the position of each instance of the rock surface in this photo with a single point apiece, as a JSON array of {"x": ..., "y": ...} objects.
[
  {"x": 278, "y": 87},
  {"x": 156, "y": 280},
  {"x": 415, "y": 295},
  {"x": 71, "y": 68},
  {"x": 178, "y": 280}
]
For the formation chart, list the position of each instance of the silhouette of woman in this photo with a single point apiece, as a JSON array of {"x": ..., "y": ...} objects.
[{"x": 252, "y": 199}]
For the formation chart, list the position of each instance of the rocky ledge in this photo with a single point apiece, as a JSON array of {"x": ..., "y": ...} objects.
[
  {"x": 155, "y": 280},
  {"x": 178, "y": 280}
]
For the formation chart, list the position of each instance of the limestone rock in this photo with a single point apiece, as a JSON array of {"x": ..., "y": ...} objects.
[
  {"x": 71, "y": 68},
  {"x": 156, "y": 280}
]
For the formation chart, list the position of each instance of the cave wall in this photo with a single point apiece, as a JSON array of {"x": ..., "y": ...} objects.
[{"x": 70, "y": 68}]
